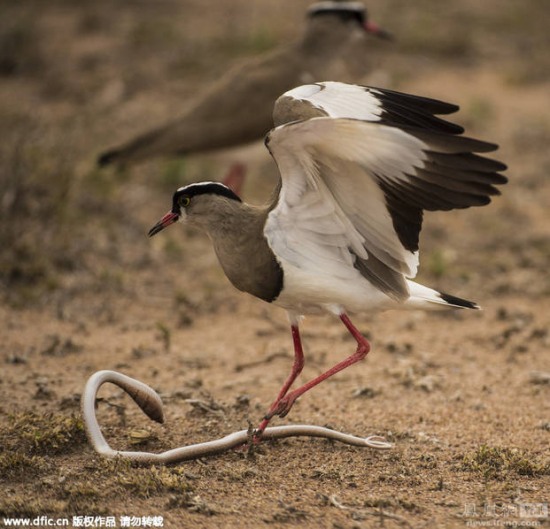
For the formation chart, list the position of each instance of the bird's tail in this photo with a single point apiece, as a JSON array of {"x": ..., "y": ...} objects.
[
  {"x": 109, "y": 158},
  {"x": 426, "y": 298},
  {"x": 157, "y": 142}
]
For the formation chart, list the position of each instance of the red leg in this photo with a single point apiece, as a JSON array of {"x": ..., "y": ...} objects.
[
  {"x": 234, "y": 178},
  {"x": 283, "y": 405},
  {"x": 296, "y": 370}
]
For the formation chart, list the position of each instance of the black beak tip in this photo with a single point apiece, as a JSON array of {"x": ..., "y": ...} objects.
[
  {"x": 167, "y": 220},
  {"x": 155, "y": 229}
]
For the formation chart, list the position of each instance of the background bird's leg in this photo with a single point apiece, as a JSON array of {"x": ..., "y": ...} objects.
[
  {"x": 234, "y": 179},
  {"x": 296, "y": 370},
  {"x": 283, "y": 405}
]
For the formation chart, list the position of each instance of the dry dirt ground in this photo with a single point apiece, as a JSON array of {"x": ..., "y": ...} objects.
[{"x": 464, "y": 397}]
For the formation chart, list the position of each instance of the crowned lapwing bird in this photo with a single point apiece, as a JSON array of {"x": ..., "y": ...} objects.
[
  {"x": 237, "y": 110},
  {"x": 358, "y": 167}
]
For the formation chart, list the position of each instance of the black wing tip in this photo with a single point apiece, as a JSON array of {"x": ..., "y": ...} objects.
[
  {"x": 484, "y": 146},
  {"x": 406, "y": 110},
  {"x": 498, "y": 179},
  {"x": 458, "y": 302},
  {"x": 430, "y": 104},
  {"x": 498, "y": 167}
]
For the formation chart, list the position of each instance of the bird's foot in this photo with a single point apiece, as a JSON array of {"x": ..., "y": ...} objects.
[
  {"x": 258, "y": 432},
  {"x": 282, "y": 406}
]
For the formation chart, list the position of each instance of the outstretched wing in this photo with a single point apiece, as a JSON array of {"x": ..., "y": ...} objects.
[{"x": 358, "y": 167}]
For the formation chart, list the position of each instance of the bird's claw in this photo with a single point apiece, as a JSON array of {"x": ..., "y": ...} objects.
[{"x": 281, "y": 407}]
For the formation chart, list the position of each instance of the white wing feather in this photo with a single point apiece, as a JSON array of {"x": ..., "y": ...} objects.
[
  {"x": 330, "y": 203},
  {"x": 339, "y": 100}
]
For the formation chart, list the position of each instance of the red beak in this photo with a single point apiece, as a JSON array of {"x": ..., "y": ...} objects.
[
  {"x": 168, "y": 219},
  {"x": 375, "y": 29}
]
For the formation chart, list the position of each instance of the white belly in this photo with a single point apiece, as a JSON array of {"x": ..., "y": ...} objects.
[{"x": 307, "y": 293}]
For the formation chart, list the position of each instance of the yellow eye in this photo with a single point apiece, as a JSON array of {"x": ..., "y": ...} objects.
[{"x": 184, "y": 201}]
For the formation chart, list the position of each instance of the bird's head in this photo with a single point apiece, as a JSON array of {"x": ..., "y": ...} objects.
[
  {"x": 194, "y": 202},
  {"x": 351, "y": 12}
]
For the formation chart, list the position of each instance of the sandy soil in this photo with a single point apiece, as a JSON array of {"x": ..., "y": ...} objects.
[{"x": 463, "y": 396}]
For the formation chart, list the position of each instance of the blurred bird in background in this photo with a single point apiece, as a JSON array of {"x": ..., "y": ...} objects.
[{"x": 237, "y": 110}]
